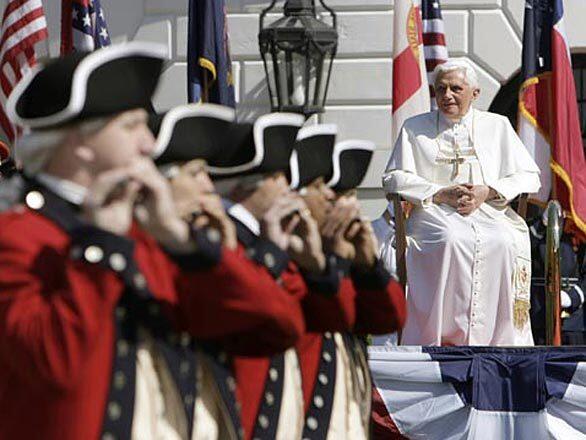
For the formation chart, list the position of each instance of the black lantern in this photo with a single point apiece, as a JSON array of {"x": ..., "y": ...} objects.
[{"x": 298, "y": 52}]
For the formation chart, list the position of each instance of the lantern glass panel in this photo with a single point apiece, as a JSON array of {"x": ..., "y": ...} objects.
[
  {"x": 323, "y": 77},
  {"x": 291, "y": 78},
  {"x": 318, "y": 76}
]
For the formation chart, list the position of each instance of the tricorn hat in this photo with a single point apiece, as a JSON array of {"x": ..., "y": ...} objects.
[
  {"x": 312, "y": 156},
  {"x": 350, "y": 162},
  {"x": 259, "y": 148},
  {"x": 85, "y": 85},
  {"x": 191, "y": 131}
]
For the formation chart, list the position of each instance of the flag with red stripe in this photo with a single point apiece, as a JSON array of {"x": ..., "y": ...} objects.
[
  {"x": 23, "y": 25},
  {"x": 549, "y": 122},
  {"x": 410, "y": 87},
  {"x": 434, "y": 40}
]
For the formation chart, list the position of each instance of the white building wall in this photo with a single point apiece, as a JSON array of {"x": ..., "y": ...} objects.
[{"x": 488, "y": 32}]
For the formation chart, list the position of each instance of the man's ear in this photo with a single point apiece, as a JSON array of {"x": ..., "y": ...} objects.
[{"x": 476, "y": 93}]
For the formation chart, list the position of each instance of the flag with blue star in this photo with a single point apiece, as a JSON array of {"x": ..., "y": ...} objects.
[{"x": 83, "y": 26}]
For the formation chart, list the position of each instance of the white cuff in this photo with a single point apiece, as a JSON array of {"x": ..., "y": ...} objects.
[{"x": 565, "y": 300}]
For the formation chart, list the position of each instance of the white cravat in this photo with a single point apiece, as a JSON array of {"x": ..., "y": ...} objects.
[
  {"x": 245, "y": 216},
  {"x": 66, "y": 189}
]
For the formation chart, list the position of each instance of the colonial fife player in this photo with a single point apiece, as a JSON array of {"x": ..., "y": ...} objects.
[{"x": 97, "y": 312}]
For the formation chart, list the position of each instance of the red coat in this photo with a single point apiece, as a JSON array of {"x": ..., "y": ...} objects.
[
  {"x": 380, "y": 309},
  {"x": 251, "y": 372},
  {"x": 377, "y": 310},
  {"x": 322, "y": 313},
  {"x": 310, "y": 344},
  {"x": 57, "y": 321},
  {"x": 330, "y": 312}
]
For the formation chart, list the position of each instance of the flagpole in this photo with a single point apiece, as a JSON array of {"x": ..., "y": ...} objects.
[
  {"x": 554, "y": 189},
  {"x": 553, "y": 274},
  {"x": 205, "y": 91}
]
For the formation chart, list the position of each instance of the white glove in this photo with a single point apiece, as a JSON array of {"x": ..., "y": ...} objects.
[{"x": 566, "y": 301}]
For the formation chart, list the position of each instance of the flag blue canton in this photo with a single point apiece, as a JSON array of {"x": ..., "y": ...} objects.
[
  {"x": 431, "y": 9},
  {"x": 88, "y": 18}
]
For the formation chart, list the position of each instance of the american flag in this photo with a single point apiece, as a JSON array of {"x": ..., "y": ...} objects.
[
  {"x": 23, "y": 25},
  {"x": 83, "y": 26},
  {"x": 434, "y": 40}
]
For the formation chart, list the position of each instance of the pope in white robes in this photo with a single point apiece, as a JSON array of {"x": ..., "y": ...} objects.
[{"x": 468, "y": 255}]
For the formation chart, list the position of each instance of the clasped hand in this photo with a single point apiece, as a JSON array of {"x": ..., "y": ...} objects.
[{"x": 465, "y": 199}]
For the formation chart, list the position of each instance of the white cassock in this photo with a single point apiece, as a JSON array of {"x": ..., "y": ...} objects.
[
  {"x": 384, "y": 230},
  {"x": 468, "y": 277}
]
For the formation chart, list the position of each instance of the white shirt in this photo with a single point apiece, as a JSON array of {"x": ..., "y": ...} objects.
[
  {"x": 245, "y": 216},
  {"x": 66, "y": 189}
]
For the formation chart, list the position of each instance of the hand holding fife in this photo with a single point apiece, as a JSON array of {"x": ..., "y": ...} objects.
[
  {"x": 213, "y": 215},
  {"x": 365, "y": 244},
  {"x": 306, "y": 245},
  {"x": 340, "y": 227},
  {"x": 161, "y": 219},
  {"x": 280, "y": 220},
  {"x": 109, "y": 203}
]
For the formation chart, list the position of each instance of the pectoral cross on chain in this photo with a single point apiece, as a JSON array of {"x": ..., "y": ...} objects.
[{"x": 456, "y": 161}]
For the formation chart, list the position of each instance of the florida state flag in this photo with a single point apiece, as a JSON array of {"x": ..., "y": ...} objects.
[
  {"x": 410, "y": 88},
  {"x": 549, "y": 123}
]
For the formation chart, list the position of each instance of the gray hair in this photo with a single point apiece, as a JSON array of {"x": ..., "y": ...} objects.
[
  {"x": 461, "y": 64},
  {"x": 34, "y": 149}
]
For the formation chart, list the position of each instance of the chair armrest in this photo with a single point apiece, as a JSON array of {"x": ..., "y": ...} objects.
[{"x": 522, "y": 204}]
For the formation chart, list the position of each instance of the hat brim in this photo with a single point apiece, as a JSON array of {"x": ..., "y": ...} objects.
[
  {"x": 312, "y": 156},
  {"x": 263, "y": 127},
  {"x": 79, "y": 84},
  {"x": 179, "y": 130},
  {"x": 349, "y": 174}
]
